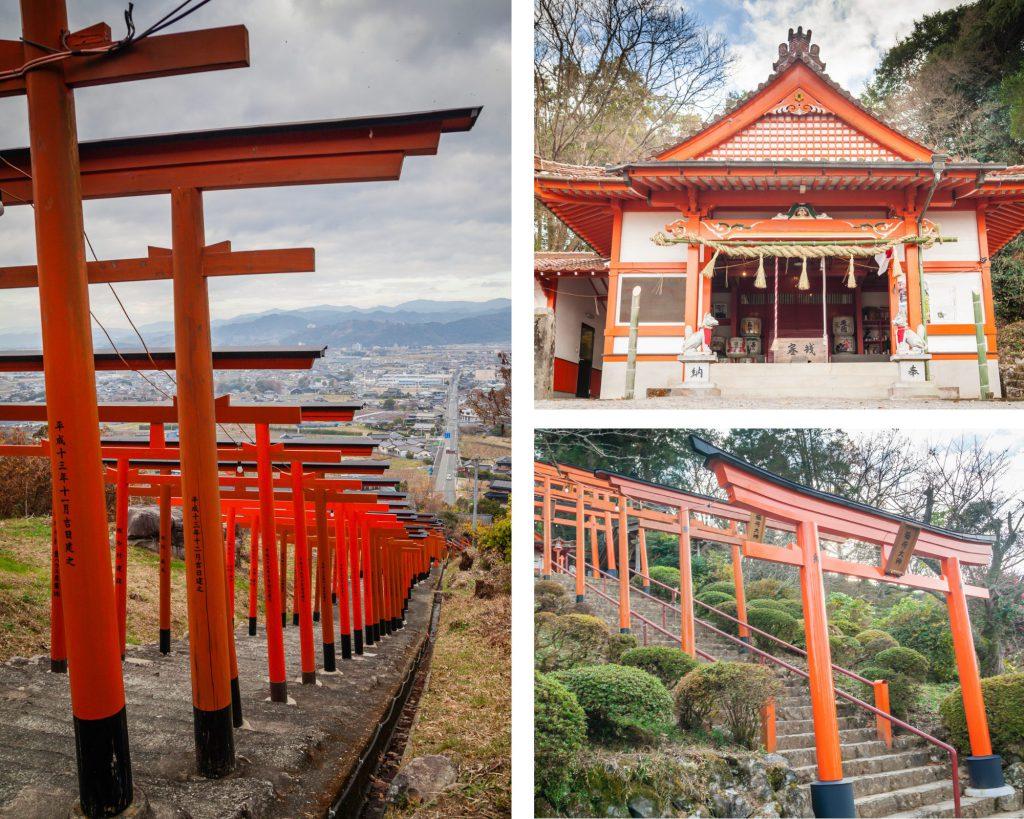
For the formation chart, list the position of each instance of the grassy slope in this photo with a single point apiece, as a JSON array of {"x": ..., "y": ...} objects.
[
  {"x": 25, "y": 590},
  {"x": 465, "y": 712}
]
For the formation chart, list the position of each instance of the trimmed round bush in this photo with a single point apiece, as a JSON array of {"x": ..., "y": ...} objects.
[
  {"x": 726, "y": 694},
  {"x": 669, "y": 576},
  {"x": 769, "y": 588},
  {"x": 726, "y": 607},
  {"x": 792, "y": 607},
  {"x": 549, "y": 587},
  {"x": 776, "y": 623},
  {"x": 568, "y": 640},
  {"x": 842, "y": 627},
  {"x": 846, "y": 651},
  {"x": 715, "y": 599},
  {"x": 726, "y": 587},
  {"x": 619, "y": 644},
  {"x": 666, "y": 663},
  {"x": 618, "y": 700},
  {"x": 904, "y": 692},
  {"x": 1004, "y": 707},
  {"x": 855, "y": 613},
  {"x": 875, "y": 641},
  {"x": 903, "y": 661},
  {"x": 549, "y": 595},
  {"x": 560, "y": 729}
]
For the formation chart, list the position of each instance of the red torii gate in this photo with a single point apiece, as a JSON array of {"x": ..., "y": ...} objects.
[{"x": 46, "y": 65}]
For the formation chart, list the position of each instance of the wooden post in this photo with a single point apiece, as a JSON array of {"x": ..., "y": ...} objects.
[
  {"x": 354, "y": 551},
  {"x": 58, "y": 649},
  {"x": 323, "y": 562},
  {"x": 271, "y": 581},
  {"x": 634, "y": 328},
  {"x": 87, "y": 595},
  {"x": 254, "y": 573},
  {"x": 282, "y": 557},
  {"x": 641, "y": 545},
  {"x": 768, "y": 735},
  {"x": 341, "y": 535},
  {"x": 595, "y": 549},
  {"x": 581, "y": 554},
  {"x": 609, "y": 544},
  {"x": 231, "y": 553},
  {"x": 625, "y": 620},
  {"x": 301, "y": 579},
  {"x": 545, "y": 516},
  {"x": 165, "y": 569},
  {"x": 687, "y": 636},
  {"x": 982, "y": 345},
  {"x": 883, "y": 728},
  {"x": 121, "y": 550},
  {"x": 831, "y": 796},
  {"x": 200, "y": 492},
  {"x": 741, "y": 596},
  {"x": 984, "y": 766}
]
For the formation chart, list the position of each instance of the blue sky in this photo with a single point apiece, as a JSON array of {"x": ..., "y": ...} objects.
[
  {"x": 442, "y": 232},
  {"x": 853, "y": 35}
]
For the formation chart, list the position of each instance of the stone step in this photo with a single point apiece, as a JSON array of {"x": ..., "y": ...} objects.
[
  {"x": 803, "y": 726},
  {"x": 903, "y": 799},
  {"x": 800, "y": 757},
  {"x": 792, "y": 742},
  {"x": 888, "y": 781},
  {"x": 970, "y": 807},
  {"x": 871, "y": 764}
]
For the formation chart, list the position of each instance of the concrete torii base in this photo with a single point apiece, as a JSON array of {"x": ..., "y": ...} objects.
[{"x": 697, "y": 381}]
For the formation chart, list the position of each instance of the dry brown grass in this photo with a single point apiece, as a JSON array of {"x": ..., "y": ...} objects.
[
  {"x": 465, "y": 712},
  {"x": 25, "y": 590},
  {"x": 485, "y": 447}
]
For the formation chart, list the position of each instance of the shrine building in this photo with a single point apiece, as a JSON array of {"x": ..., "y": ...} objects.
[{"x": 797, "y": 227}]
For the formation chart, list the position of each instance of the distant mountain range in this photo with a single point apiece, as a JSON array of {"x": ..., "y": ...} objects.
[{"x": 417, "y": 323}]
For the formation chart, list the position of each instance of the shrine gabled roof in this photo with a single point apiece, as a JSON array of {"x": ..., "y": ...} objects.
[
  {"x": 569, "y": 262},
  {"x": 710, "y": 453}
]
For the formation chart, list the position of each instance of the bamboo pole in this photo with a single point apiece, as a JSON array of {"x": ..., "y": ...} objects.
[{"x": 634, "y": 325}]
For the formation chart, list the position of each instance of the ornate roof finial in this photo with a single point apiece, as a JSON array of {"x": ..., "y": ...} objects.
[{"x": 798, "y": 48}]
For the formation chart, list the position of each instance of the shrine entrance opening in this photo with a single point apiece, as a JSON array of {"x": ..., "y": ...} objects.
[{"x": 774, "y": 320}]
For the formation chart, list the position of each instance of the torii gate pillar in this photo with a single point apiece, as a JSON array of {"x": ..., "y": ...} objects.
[
  {"x": 87, "y": 594},
  {"x": 984, "y": 768}
]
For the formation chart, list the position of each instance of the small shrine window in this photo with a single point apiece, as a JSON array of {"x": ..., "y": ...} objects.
[{"x": 662, "y": 297}]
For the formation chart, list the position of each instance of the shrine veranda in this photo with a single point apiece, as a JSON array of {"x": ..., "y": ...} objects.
[{"x": 806, "y": 228}]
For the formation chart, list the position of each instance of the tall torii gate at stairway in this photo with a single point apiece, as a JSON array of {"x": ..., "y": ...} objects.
[
  {"x": 760, "y": 500},
  {"x": 46, "y": 65}
]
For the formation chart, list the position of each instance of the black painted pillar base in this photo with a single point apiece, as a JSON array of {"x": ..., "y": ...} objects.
[
  {"x": 613, "y": 572},
  {"x": 580, "y": 598},
  {"x": 104, "y": 764},
  {"x": 545, "y": 576},
  {"x": 215, "y": 742},
  {"x": 316, "y": 617},
  {"x": 334, "y": 598},
  {"x": 279, "y": 691},
  {"x": 236, "y": 704},
  {"x": 986, "y": 774},
  {"x": 376, "y": 631},
  {"x": 309, "y": 678},
  {"x": 295, "y": 618},
  {"x": 252, "y": 626},
  {"x": 165, "y": 641},
  {"x": 370, "y": 639},
  {"x": 833, "y": 800},
  {"x": 744, "y": 640},
  {"x": 625, "y": 631},
  {"x": 358, "y": 641},
  {"x": 329, "y": 663},
  {"x": 399, "y": 623},
  {"x": 58, "y": 666},
  {"x": 346, "y": 647},
  {"x": 284, "y": 619}
]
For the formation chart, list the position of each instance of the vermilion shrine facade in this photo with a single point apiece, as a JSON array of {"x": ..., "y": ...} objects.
[{"x": 807, "y": 230}]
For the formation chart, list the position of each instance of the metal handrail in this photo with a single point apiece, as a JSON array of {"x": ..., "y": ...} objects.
[{"x": 954, "y": 759}]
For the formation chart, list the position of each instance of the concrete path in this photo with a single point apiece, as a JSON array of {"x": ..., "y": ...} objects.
[{"x": 292, "y": 759}]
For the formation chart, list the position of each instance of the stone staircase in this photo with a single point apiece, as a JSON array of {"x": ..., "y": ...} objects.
[
  {"x": 862, "y": 380},
  {"x": 911, "y": 779}
]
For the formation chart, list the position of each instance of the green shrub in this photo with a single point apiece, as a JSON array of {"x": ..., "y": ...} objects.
[
  {"x": 903, "y": 661},
  {"x": 1004, "y": 707},
  {"x": 618, "y": 700},
  {"x": 726, "y": 587},
  {"x": 548, "y": 595},
  {"x": 715, "y": 599},
  {"x": 874, "y": 640},
  {"x": 840, "y": 627},
  {"x": 769, "y": 588},
  {"x": 669, "y": 576},
  {"x": 559, "y": 731},
  {"x": 904, "y": 692},
  {"x": 726, "y": 607},
  {"x": 846, "y": 651},
  {"x": 568, "y": 640},
  {"x": 726, "y": 694},
  {"x": 922, "y": 623},
  {"x": 666, "y": 663},
  {"x": 855, "y": 611},
  {"x": 776, "y": 623},
  {"x": 618, "y": 644},
  {"x": 792, "y": 607},
  {"x": 701, "y": 569},
  {"x": 549, "y": 586}
]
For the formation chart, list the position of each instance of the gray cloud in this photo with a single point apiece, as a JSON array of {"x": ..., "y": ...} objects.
[{"x": 440, "y": 232}]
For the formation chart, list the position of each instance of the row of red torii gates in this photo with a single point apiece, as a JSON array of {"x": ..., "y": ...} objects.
[
  {"x": 53, "y": 175},
  {"x": 758, "y": 501}
]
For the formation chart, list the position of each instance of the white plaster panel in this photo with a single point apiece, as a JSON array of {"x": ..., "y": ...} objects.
[
  {"x": 964, "y": 375},
  {"x": 649, "y": 374},
  {"x": 650, "y": 345},
  {"x": 540, "y": 299},
  {"x": 963, "y": 224},
  {"x": 952, "y": 344},
  {"x": 637, "y": 229},
  {"x": 574, "y": 307},
  {"x": 950, "y": 297}
]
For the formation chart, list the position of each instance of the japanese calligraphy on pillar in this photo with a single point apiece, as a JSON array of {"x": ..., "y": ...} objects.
[
  {"x": 197, "y": 545},
  {"x": 63, "y": 515}
]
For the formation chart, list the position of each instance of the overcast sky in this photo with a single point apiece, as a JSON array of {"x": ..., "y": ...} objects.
[
  {"x": 441, "y": 232},
  {"x": 853, "y": 35}
]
